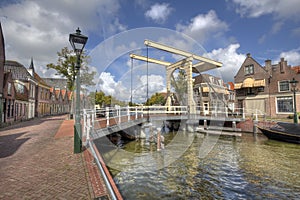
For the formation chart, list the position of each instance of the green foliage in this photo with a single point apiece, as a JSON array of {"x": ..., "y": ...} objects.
[
  {"x": 180, "y": 85},
  {"x": 157, "y": 99},
  {"x": 66, "y": 67},
  {"x": 106, "y": 100}
]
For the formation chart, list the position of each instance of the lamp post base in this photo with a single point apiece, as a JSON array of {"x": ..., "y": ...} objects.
[
  {"x": 295, "y": 118},
  {"x": 77, "y": 138}
]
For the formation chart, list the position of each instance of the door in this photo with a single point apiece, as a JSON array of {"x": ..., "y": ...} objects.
[{"x": 205, "y": 108}]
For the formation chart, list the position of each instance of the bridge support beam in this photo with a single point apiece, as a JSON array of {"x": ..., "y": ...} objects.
[
  {"x": 190, "y": 97},
  {"x": 168, "y": 103}
]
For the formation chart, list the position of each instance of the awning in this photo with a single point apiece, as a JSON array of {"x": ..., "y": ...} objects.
[
  {"x": 259, "y": 83},
  {"x": 248, "y": 82},
  {"x": 205, "y": 89},
  {"x": 238, "y": 85}
]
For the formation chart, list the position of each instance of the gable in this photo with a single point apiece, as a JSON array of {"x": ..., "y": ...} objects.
[{"x": 245, "y": 71}]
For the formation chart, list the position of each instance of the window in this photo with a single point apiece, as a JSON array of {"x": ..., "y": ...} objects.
[
  {"x": 250, "y": 91},
  {"x": 284, "y": 86},
  {"x": 249, "y": 69},
  {"x": 32, "y": 91},
  {"x": 284, "y": 104},
  {"x": 9, "y": 89},
  {"x": 20, "y": 88},
  {"x": 260, "y": 89},
  {"x": 8, "y": 108}
]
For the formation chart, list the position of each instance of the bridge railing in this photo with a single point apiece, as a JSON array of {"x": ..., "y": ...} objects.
[
  {"x": 118, "y": 114},
  {"x": 218, "y": 111},
  {"x": 121, "y": 114}
]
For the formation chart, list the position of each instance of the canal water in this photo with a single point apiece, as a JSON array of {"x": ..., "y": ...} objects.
[{"x": 248, "y": 167}]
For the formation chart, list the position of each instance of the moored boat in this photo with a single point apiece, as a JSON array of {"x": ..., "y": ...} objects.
[{"x": 282, "y": 131}]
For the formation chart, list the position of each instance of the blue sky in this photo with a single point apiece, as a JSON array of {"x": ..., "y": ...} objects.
[{"x": 226, "y": 29}]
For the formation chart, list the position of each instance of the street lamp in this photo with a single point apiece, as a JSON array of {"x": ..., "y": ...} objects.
[
  {"x": 294, "y": 84},
  {"x": 78, "y": 42}
]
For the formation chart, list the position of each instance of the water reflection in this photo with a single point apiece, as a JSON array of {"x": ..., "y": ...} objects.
[{"x": 245, "y": 168}]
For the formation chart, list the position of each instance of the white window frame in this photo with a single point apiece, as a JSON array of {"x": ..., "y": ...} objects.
[
  {"x": 249, "y": 72},
  {"x": 276, "y": 105},
  {"x": 9, "y": 88},
  {"x": 279, "y": 89}
]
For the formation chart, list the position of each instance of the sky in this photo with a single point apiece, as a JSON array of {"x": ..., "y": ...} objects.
[{"x": 223, "y": 30}]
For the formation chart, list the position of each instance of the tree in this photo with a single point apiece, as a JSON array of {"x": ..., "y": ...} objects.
[
  {"x": 180, "y": 85},
  {"x": 156, "y": 98},
  {"x": 66, "y": 67},
  {"x": 107, "y": 100}
]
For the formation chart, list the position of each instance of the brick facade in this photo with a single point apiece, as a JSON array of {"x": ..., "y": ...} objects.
[
  {"x": 267, "y": 88},
  {"x": 2, "y": 61}
]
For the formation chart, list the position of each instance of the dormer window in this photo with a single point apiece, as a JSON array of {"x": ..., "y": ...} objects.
[{"x": 249, "y": 69}]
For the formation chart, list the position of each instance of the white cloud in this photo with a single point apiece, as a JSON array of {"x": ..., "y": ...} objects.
[
  {"x": 230, "y": 58},
  {"x": 107, "y": 83},
  {"x": 204, "y": 26},
  {"x": 280, "y": 9},
  {"x": 292, "y": 57},
  {"x": 39, "y": 29},
  {"x": 159, "y": 12},
  {"x": 121, "y": 89}
]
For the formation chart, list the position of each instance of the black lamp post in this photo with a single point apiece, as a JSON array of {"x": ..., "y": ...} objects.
[
  {"x": 78, "y": 42},
  {"x": 294, "y": 84}
]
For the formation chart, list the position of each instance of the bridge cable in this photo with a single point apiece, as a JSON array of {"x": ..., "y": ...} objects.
[
  {"x": 148, "y": 82},
  {"x": 131, "y": 82}
]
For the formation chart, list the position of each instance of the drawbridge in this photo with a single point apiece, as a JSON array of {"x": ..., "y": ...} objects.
[{"x": 191, "y": 63}]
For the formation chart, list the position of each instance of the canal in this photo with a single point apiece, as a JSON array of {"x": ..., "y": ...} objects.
[{"x": 198, "y": 166}]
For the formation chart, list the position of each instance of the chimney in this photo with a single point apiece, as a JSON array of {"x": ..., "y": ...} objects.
[
  {"x": 282, "y": 65},
  {"x": 268, "y": 66},
  {"x": 248, "y": 55}
]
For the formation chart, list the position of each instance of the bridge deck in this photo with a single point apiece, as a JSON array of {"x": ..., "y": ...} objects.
[{"x": 104, "y": 126}]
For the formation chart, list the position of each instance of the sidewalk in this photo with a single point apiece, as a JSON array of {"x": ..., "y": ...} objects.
[{"x": 37, "y": 162}]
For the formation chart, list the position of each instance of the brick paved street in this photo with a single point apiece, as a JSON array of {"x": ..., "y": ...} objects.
[{"x": 36, "y": 165}]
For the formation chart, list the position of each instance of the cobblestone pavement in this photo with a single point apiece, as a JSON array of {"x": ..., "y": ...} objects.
[{"x": 35, "y": 165}]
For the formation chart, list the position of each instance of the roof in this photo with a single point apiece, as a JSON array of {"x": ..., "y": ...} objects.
[
  {"x": 41, "y": 81},
  {"x": 296, "y": 69},
  {"x": 56, "y": 82},
  {"x": 19, "y": 72},
  {"x": 231, "y": 85}
]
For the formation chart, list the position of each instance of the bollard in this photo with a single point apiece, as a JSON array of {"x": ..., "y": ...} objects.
[
  {"x": 128, "y": 113},
  {"x": 205, "y": 124},
  {"x": 119, "y": 115},
  {"x": 158, "y": 141},
  {"x": 136, "y": 113},
  {"x": 234, "y": 125},
  {"x": 255, "y": 126},
  {"x": 107, "y": 116}
]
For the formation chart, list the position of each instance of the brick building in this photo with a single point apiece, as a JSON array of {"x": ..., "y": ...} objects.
[
  {"x": 211, "y": 94},
  {"x": 24, "y": 94},
  {"x": 2, "y": 61},
  {"x": 267, "y": 88}
]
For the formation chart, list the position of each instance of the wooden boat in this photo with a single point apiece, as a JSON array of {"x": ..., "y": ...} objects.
[{"x": 286, "y": 132}]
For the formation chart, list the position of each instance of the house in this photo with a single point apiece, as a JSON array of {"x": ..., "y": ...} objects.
[
  {"x": 9, "y": 99},
  {"x": 43, "y": 97},
  {"x": 266, "y": 90},
  {"x": 2, "y": 62},
  {"x": 32, "y": 85},
  {"x": 24, "y": 94},
  {"x": 22, "y": 83},
  {"x": 210, "y": 94},
  {"x": 59, "y": 87}
]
